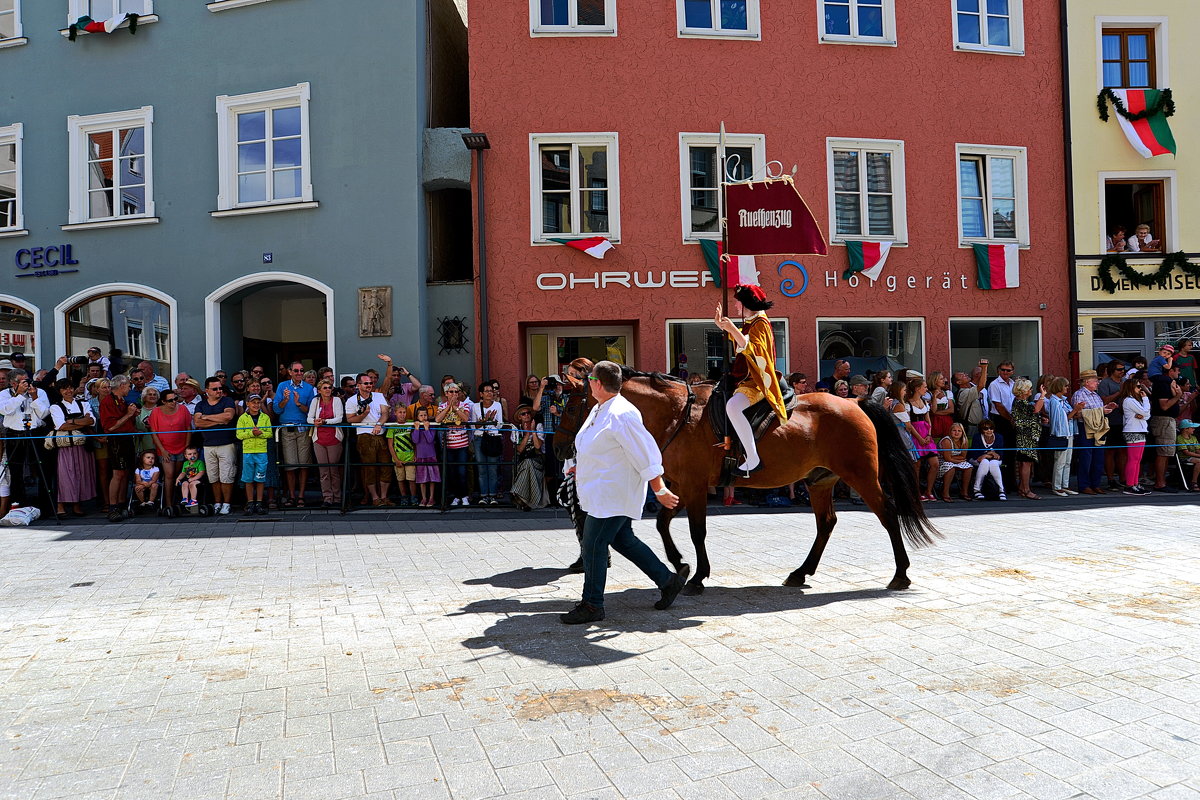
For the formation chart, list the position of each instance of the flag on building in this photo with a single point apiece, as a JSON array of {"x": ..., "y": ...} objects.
[
  {"x": 595, "y": 246},
  {"x": 742, "y": 269},
  {"x": 1150, "y": 136},
  {"x": 867, "y": 258},
  {"x": 997, "y": 266},
  {"x": 89, "y": 25}
]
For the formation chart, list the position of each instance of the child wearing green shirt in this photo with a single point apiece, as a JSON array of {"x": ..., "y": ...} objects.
[
  {"x": 404, "y": 456},
  {"x": 1188, "y": 449},
  {"x": 254, "y": 429}
]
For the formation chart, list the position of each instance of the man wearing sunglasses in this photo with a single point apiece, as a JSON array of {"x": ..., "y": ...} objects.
[
  {"x": 292, "y": 400},
  {"x": 615, "y": 457}
]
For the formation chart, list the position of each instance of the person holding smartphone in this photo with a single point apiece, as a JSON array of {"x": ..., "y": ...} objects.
[
  {"x": 24, "y": 408},
  {"x": 969, "y": 402}
]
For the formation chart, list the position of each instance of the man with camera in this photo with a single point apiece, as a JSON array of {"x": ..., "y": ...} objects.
[{"x": 24, "y": 409}]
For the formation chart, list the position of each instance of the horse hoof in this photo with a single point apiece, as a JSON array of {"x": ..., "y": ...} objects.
[
  {"x": 693, "y": 589},
  {"x": 796, "y": 580},
  {"x": 899, "y": 584}
]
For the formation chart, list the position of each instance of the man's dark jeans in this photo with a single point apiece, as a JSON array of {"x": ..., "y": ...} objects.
[{"x": 617, "y": 532}]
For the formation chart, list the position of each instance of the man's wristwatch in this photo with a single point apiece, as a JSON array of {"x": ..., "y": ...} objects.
[{"x": 662, "y": 491}]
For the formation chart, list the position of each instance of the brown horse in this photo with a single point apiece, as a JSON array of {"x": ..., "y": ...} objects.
[{"x": 825, "y": 438}]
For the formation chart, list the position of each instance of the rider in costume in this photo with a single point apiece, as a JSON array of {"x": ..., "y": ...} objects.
[{"x": 754, "y": 368}]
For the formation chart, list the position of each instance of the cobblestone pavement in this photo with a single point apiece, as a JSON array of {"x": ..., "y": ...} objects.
[{"x": 1047, "y": 654}]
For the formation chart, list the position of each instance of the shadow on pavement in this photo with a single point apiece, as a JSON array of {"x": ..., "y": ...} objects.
[
  {"x": 523, "y": 578},
  {"x": 531, "y": 628}
]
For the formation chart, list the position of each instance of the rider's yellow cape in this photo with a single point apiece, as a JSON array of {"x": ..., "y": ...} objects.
[{"x": 758, "y": 358}]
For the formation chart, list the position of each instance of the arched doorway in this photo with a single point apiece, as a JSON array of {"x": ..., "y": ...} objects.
[{"x": 269, "y": 318}]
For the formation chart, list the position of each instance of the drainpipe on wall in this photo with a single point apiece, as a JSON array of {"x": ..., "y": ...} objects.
[
  {"x": 1069, "y": 177},
  {"x": 478, "y": 142}
]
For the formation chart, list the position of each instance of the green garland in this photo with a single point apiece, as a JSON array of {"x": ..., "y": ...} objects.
[
  {"x": 1165, "y": 104},
  {"x": 1143, "y": 279}
]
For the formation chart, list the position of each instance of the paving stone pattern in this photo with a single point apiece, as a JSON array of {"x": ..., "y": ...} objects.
[{"x": 1046, "y": 655}]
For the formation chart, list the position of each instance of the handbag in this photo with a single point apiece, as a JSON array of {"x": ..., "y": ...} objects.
[
  {"x": 492, "y": 445},
  {"x": 57, "y": 439}
]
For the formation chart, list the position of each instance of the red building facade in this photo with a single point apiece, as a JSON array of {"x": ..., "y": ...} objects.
[{"x": 930, "y": 124}]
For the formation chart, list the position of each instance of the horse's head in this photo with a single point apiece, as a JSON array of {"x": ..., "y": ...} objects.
[{"x": 577, "y": 402}]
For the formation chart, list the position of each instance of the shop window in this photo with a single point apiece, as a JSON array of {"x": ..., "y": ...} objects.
[
  {"x": 118, "y": 322},
  {"x": 1129, "y": 203},
  {"x": 697, "y": 347},
  {"x": 700, "y": 176},
  {"x": 1018, "y": 341},
  {"x": 1119, "y": 329},
  {"x": 16, "y": 332},
  {"x": 871, "y": 344}
]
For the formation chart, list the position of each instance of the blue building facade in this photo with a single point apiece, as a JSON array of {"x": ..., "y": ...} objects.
[{"x": 237, "y": 182}]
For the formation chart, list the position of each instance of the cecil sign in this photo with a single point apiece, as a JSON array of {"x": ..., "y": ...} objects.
[{"x": 43, "y": 262}]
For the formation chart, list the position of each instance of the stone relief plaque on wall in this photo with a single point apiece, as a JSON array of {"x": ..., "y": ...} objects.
[{"x": 375, "y": 311}]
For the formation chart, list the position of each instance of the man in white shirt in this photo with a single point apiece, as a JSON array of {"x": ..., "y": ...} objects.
[
  {"x": 368, "y": 411},
  {"x": 614, "y": 458},
  {"x": 1000, "y": 399},
  {"x": 24, "y": 409}
]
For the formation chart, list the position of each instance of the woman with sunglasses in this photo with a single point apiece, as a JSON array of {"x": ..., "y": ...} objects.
[
  {"x": 528, "y": 489},
  {"x": 170, "y": 425}
]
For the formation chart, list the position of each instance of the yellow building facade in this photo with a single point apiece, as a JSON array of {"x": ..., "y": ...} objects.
[{"x": 1123, "y": 45}]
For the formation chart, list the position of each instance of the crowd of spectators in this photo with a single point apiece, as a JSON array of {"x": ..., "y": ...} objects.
[
  {"x": 129, "y": 439},
  {"x": 1010, "y": 433}
]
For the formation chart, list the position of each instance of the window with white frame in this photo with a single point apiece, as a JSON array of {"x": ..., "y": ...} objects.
[
  {"x": 10, "y": 19},
  {"x": 857, "y": 21},
  {"x": 107, "y": 9},
  {"x": 1015, "y": 340},
  {"x": 718, "y": 18},
  {"x": 162, "y": 343},
  {"x": 573, "y": 17},
  {"x": 574, "y": 185},
  {"x": 696, "y": 347},
  {"x": 110, "y": 166},
  {"x": 133, "y": 338},
  {"x": 263, "y": 148},
  {"x": 700, "y": 174},
  {"x": 866, "y": 190},
  {"x": 993, "y": 202},
  {"x": 995, "y": 26},
  {"x": 11, "y": 202}
]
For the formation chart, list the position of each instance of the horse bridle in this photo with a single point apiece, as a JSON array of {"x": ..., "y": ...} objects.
[{"x": 585, "y": 408}]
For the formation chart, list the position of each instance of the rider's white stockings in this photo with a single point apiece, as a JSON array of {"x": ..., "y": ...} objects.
[{"x": 735, "y": 409}]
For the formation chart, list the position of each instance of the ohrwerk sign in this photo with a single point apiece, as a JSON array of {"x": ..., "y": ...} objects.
[{"x": 650, "y": 279}]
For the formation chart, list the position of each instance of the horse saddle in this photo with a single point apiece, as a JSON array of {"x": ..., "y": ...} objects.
[{"x": 761, "y": 414}]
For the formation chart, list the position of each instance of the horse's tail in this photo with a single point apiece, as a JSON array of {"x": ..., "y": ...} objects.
[{"x": 900, "y": 489}]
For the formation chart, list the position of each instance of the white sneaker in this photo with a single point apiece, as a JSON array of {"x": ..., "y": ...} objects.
[
  {"x": 454, "y": 502},
  {"x": 466, "y": 501},
  {"x": 223, "y": 508}
]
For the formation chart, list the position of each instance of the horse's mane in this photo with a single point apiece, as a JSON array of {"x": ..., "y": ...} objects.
[{"x": 628, "y": 373}]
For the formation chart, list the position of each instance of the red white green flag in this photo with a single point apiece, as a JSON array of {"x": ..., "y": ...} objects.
[
  {"x": 867, "y": 258},
  {"x": 89, "y": 25},
  {"x": 595, "y": 246},
  {"x": 741, "y": 269},
  {"x": 997, "y": 266},
  {"x": 1152, "y": 135}
]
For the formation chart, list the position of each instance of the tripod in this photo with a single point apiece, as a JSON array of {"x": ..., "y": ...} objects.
[{"x": 21, "y": 447}]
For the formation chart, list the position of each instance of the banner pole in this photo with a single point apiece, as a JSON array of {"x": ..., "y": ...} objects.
[{"x": 722, "y": 270}]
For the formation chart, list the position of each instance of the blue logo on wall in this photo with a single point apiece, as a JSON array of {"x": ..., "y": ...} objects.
[{"x": 788, "y": 285}]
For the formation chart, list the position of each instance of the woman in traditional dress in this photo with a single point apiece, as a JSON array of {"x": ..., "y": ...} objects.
[
  {"x": 528, "y": 489},
  {"x": 76, "y": 467}
]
